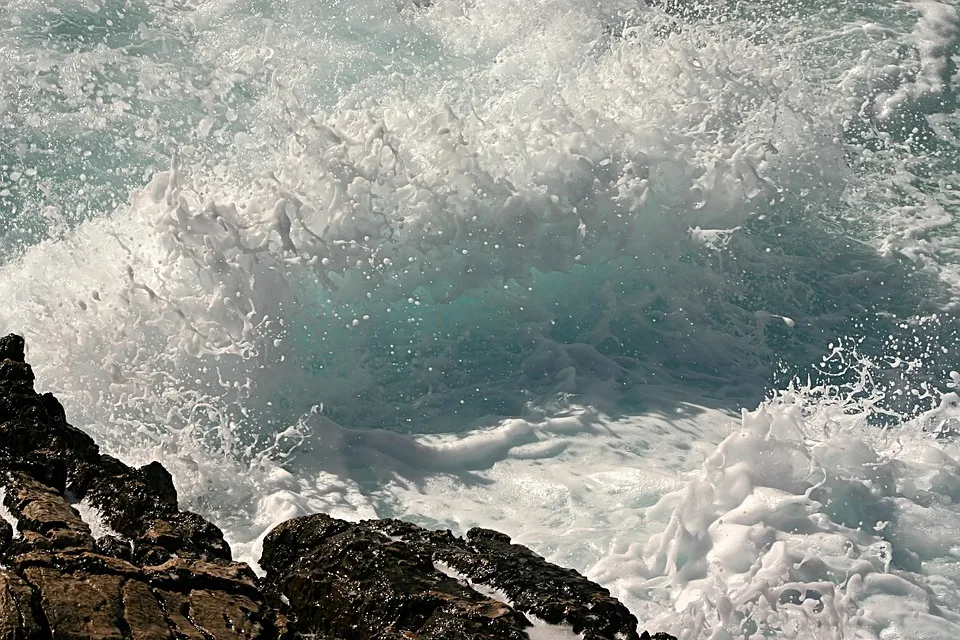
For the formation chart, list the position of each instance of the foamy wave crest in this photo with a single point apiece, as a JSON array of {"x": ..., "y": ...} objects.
[
  {"x": 807, "y": 523},
  {"x": 195, "y": 312}
]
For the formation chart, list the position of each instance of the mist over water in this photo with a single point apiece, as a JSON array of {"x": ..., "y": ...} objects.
[{"x": 666, "y": 291}]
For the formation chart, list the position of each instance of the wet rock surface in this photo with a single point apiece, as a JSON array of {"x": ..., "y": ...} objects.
[
  {"x": 161, "y": 572},
  {"x": 411, "y": 582},
  {"x": 166, "y": 573}
]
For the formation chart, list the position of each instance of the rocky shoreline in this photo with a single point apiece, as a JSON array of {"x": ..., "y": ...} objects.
[{"x": 155, "y": 571}]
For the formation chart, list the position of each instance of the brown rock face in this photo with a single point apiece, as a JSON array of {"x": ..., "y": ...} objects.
[{"x": 167, "y": 574}]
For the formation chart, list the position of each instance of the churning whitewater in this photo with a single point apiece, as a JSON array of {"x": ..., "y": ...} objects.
[{"x": 666, "y": 291}]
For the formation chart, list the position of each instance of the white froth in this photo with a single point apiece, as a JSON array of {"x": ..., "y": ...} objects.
[
  {"x": 94, "y": 519},
  {"x": 6, "y": 515},
  {"x": 798, "y": 528},
  {"x": 925, "y": 84}
]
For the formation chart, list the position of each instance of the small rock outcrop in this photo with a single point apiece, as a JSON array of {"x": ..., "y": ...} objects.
[
  {"x": 409, "y": 582},
  {"x": 155, "y": 571}
]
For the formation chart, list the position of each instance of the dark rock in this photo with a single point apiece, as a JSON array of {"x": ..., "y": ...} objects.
[
  {"x": 341, "y": 577},
  {"x": 78, "y": 606},
  {"x": 385, "y": 576},
  {"x": 6, "y": 537},
  {"x": 54, "y": 409},
  {"x": 142, "y": 612},
  {"x": 12, "y": 347},
  {"x": 535, "y": 586},
  {"x": 39, "y": 508},
  {"x": 167, "y": 575},
  {"x": 17, "y": 619},
  {"x": 531, "y": 584},
  {"x": 115, "y": 548},
  {"x": 159, "y": 481},
  {"x": 13, "y": 371}
]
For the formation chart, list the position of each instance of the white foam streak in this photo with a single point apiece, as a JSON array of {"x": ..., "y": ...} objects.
[
  {"x": 7, "y": 515},
  {"x": 934, "y": 37},
  {"x": 94, "y": 519},
  {"x": 540, "y": 630}
]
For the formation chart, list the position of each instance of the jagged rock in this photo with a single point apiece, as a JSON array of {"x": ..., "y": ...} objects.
[
  {"x": 45, "y": 518},
  {"x": 115, "y": 547},
  {"x": 168, "y": 573},
  {"x": 340, "y": 577},
  {"x": 6, "y": 536},
  {"x": 533, "y": 585},
  {"x": 389, "y": 577}
]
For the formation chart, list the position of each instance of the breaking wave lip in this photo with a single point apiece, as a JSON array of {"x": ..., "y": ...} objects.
[{"x": 425, "y": 214}]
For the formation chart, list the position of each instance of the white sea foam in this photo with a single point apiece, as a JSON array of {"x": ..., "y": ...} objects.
[
  {"x": 6, "y": 515},
  {"x": 94, "y": 519},
  {"x": 810, "y": 533},
  {"x": 799, "y": 523}
]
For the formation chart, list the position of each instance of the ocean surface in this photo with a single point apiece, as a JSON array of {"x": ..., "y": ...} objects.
[{"x": 667, "y": 291}]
